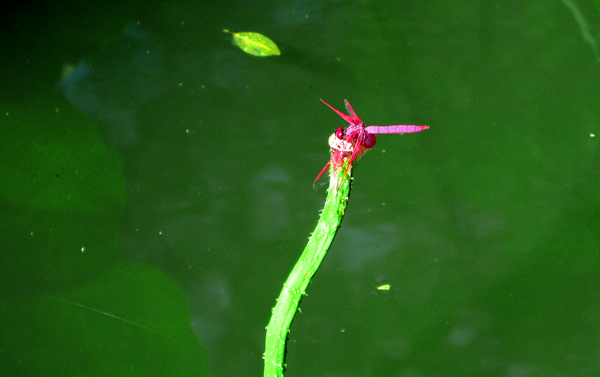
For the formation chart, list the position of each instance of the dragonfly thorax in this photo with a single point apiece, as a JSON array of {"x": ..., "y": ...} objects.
[{"x": 368, "y": 140}]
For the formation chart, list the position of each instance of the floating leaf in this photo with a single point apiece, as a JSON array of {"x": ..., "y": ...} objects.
[
  {"x": 385, "y": 287},
  {"x": 254, "y": 43}
]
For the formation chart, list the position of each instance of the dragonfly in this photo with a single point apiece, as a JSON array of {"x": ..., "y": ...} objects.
[{"x": 362, "y": 138}]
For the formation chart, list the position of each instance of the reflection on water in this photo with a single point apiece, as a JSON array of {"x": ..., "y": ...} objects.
[
  {"x": 220, "y": 149},
  {"x": 205, "y": 133},
  {"x": 113, "y": 86},
  {"x": 583, "y": 25}
]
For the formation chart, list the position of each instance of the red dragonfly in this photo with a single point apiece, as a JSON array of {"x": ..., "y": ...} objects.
[{"x": 360, "y": 137}]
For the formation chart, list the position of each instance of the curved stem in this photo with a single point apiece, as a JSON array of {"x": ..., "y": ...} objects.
[{"x": 306, "y": 267}]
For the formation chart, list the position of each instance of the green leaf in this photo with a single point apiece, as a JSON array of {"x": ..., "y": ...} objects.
[
  {"x": 131, "y": 321},
  {"x": 254, "y": 43},
  {"x": 54, "y": 159}
]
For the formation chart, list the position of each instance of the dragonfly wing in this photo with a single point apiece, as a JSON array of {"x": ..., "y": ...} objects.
[
  {"x": 349, "y": 108},
  {"x": 352, "y": 119},
  {"x": 321, "y": 173}
]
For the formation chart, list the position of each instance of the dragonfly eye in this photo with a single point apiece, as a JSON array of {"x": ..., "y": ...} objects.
[
  {"x": 369, "y": 140},
  {"x": 339, "y": 133}
]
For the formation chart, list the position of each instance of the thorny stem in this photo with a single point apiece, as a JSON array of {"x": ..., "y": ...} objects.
[{"x": 306, "y": 267}]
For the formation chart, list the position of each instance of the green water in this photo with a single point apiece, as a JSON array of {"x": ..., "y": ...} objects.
[{"x": 155, "y": 172}]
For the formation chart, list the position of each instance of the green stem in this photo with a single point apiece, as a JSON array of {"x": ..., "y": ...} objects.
[{"x": 306, "y": 267}]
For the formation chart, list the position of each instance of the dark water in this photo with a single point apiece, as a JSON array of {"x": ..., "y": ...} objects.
[{"x": 155, "y": 172}]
